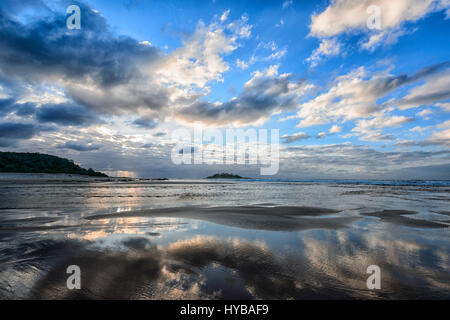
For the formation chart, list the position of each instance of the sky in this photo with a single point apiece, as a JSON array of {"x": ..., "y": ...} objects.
[{"x": 357, "y": 88}]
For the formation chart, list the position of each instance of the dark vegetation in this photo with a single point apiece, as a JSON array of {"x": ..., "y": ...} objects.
[
  {"x": 41, "y": 163},
  {"x": 225, "y": 176}
]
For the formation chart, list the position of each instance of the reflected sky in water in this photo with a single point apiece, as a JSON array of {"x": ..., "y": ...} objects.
[{"x": 225, "y": 240}]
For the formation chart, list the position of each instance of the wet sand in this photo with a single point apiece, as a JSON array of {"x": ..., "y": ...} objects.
[
  {"x": 280, "y": 218},
  {"x": 398, "y": 217}
]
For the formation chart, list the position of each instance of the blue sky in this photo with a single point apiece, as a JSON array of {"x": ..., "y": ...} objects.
[{"x": 349, "y": 100}]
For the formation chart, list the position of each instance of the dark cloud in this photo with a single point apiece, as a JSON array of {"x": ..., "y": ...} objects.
[
  {"x": 383, "y": 85},
  {"x": 427, "y": 72},
  {"x": 24, "y": 109},
  {"x": 21, "y": 109},
  {"x": 295, "y": 137},
  {"x": 430, "y": 70},
  {"x": 66, "y": 114},
  {"x": 79, "y": 146},
  {"x": 12, "y": 130},
  {"x": 391, "y": 83},
  {"x": 47, "y": 48},
  {"x": 13, "y": 6},
  {"x": 145, "y": 122},
  {"x": 44, "y": 50},
  {"x": 6, "y": 105},
  {"x": 426, "y": 99},
  {"x": 260, "y": 98}
]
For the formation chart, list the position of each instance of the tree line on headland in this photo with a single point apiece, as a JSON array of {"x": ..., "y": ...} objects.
[{"x": 42, "y": 163}]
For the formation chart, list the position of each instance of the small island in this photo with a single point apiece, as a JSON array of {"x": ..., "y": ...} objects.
[
  {"x": 225, "y": 176},
  {"x": 42, "y": 163}
]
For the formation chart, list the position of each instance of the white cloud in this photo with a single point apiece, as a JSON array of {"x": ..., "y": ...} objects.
[
  {"x": 287, "y": 3},
  {"x": 270, "y": 45},
  {"x": 276, "y": 55},
  {"x": 224, "y": 16},
  {"x": 420, "y": 129},
  {"x": 350, "y": 97},
  {"x": 260, "y": 53},
  {"x": 346, "y": 15},
  {"x": 424, "y": 113},
  {"x": 240, "y": 27},
  {"x": 241, "y": 64},
  {"x": 280, "y": 23},
  {"x": 145, "y": 43},
  {"x": 445, "y": 106},
  {"x": 444, "y": 125},
  {"x": 355, "y": 95},
  {"x": 335, "y": 129},
  {"x": 386, "y": 38},
  {"x": 327, "y": 48},
  {"x": 343, "y": 16},
  {"x": 39, "y": 96},
  {"x": 200, "y": 59},
  {"x": 371, "y": 129},
  {"x": 321, "y": 135},
  {"x": 440, "y": 137}
]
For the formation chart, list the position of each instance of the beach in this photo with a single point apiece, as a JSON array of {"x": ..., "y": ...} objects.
[{"x": 222, "y": 239}]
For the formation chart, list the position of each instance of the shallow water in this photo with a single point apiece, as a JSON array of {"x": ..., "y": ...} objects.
[{"x": 223, "y": 239}]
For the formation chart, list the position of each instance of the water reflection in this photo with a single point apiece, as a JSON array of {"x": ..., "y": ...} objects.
[{"x": 214, "y": 267}]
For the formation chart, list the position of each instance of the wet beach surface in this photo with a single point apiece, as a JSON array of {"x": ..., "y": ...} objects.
[{"x": 223, "y": 239}]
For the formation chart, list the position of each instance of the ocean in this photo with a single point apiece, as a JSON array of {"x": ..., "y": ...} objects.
[{"x": 223, "y": 239}]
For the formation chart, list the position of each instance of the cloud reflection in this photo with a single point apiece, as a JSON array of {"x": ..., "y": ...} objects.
[{"x": 206, "y": 267}]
